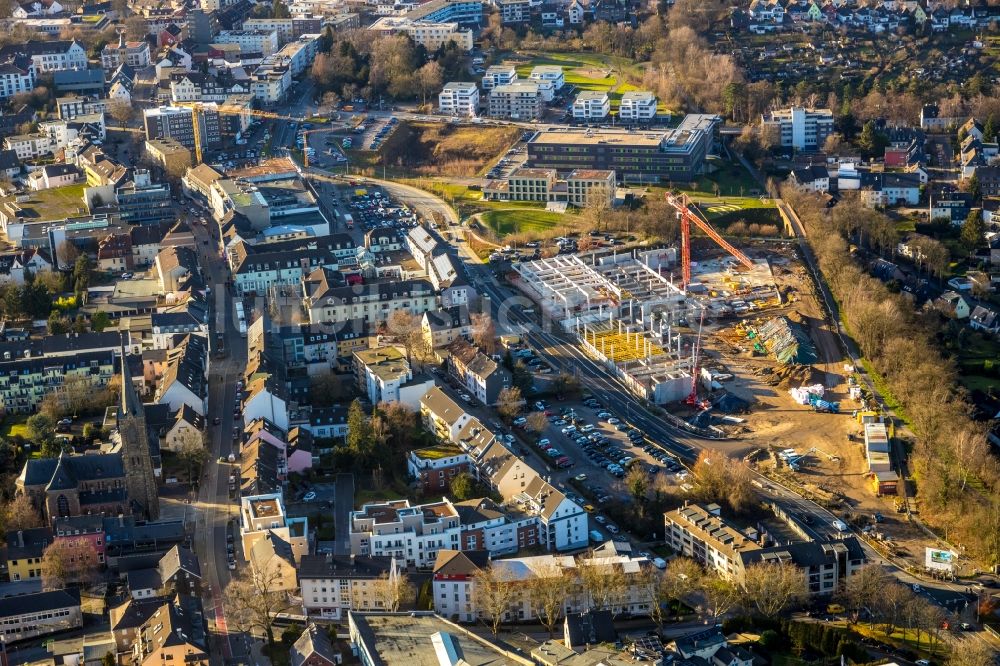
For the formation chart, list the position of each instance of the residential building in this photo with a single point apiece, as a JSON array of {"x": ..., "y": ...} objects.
[
  {"x": 29, "y": 374},
  {"x": 676, "y": 155},
  {"x": 24, "y": 552},
  {"x": 801, "y": 128},
  {"x": 133, "y": 54},
  {"x": 890, "y": 189},
  {"x": 264, "y": 42},
  {"x": 53, "y": 175},
  {"x": 442, "y": 327},
  {"x": 637, "y": 106},
  {"x": 331, "y": 301},
  {"x": 442, "y": 415},
  {"x": 261, "y": 515},
  {"x": 459, "y": 99},
  {"x": 520, "y": 100},
  {"x": 499, "y": 75},
  {"x": 989, "y": 181},
  {"x": 384, "y": 375},
  {"x": 172, "y": 635},
  {"x": 170, "y": 154},
  {"x": 288, "y": 29},
  {"x": 32, "y": 615},
  {"x": 71, "y": 106},
  {"x": 591, "y": 105},
  {"x": 413, "y": 535},
  {"x": 185, "y": 377},
  {"x": 431, "y": 35},
  {"x": 332, "y": 585},
  {"x": 439, "y": 11},
  {"x": 481, "y": 375},
  {"x": 454, "y": 583},
  {"x": 550, "y": 80},
  {"x": 434, "y": 467},
  {"x": 81, "y": 81},
  {"x": 813, "y": 178},
  {"x": 314, "y": 648},
  {"x": 953, "y": 206},
  {"x": 698, "y": 532},
  {"x": 17, "y": 75},
  {"x": 49, "y": 56},
  {"x": 514, "y": 11}
]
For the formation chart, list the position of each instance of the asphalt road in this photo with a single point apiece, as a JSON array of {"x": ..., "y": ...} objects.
[{"x": 214, "y": 504}]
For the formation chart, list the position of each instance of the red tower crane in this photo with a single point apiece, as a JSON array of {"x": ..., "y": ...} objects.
[{"x": 682, "y": 204}]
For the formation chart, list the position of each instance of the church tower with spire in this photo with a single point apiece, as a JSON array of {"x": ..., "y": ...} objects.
[{"x": 140, "y": 482}]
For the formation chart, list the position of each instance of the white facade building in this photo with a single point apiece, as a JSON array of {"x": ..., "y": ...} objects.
[
  {"x": 499, "y": 75},
  {"x": 637, "y": 106},
  {"x": 591, "y": 105},
  {"x": 800, "y": 128},
  {"x": 459, "y": 98}
]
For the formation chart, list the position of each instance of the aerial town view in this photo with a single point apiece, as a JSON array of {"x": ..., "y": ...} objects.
[{"x": 499, "y": 332}]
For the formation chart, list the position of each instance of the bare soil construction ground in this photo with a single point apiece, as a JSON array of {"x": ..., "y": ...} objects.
[{"x": 834, "y": 474}]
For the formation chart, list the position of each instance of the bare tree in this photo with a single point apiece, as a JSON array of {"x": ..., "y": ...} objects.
[
  {"x": 121, "y": 111},
  {"x": 649, "y": 583},
  {"x": 772, "y": 587},
  {"x": 68, "y": 560},
  {"x": 253, "y": 599},
  {"x": 484, "y": 332},
  {"x": 493, "y": 592},
  {"x": 509, "y": 403},
  {"x": 537, "y": 422},
  {"x": 972, "y": 651},
  {"x": 719, "y": 596},
  {"x": 862, "y": 590},
  {"x": 683, "y": 576},
  {"x": 605, "y": 584},
  {"x": 21, "y": 514},
  {"x": 391, "y": 592},
  {"x": 193, "y": 454},
  {"x": 547, "y": 592}
]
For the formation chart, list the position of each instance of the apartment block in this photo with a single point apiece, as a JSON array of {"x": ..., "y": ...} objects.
[
  {"x": 591, "y": 105},
  {"x": 264, "y": 515},
  {"x": 432, "y": 35},
  {"x": 384, "y": 375},
  {"x": 331, "y": 585},
  {"x": 264, "y": 42},
  {"x": 801, "y": 128},
  {"x": 578, "y": 188},
  {"x": 699, "y": 532},
  {"x": 459, "y": 99},
  {"x": 454, "y": 582},
  {"x": 637, "y": 106},
  {"x": 435, "y": 466},
  {"x": 520, "y": 100},
  {"x": 288, "y": 29},
  {"x": 550, "y": 80},
  {"x": 499, "y": 75}
]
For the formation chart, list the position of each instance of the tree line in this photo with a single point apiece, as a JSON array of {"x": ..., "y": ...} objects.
[{"x": 901, "y": 345}]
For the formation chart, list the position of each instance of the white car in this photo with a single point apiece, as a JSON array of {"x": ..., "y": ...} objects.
[
  {"x": 309, "y": 496},
  {"x": 544, "y": 441},
  {"x": 465, "y": 396}
]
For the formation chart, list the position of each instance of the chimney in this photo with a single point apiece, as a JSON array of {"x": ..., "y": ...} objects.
[
  {"x": 352, "y": 560},
  {"x": 20, "y": 538}
]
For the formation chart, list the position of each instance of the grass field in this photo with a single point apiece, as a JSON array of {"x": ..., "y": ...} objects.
[
  {"x": 14, "y": 425},
  {"x": 55, "y": 203},
  {"x": 512, "y": 221}
]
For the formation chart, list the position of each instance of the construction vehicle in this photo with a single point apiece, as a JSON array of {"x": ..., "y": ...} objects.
[{"x": 687, "y": 215}]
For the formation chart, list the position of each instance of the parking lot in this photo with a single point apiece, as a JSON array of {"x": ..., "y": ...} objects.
[
  {"x": 371, "y": 208},
  {"x": 512, "y": 159},
  {"x": 376, "y": 132}
]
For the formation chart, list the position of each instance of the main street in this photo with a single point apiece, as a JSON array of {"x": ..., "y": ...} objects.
[{"x": 214, "y": 503}]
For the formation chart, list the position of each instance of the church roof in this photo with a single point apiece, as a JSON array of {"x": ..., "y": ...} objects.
[
  {"x": 62, "y": 477},
  {"x": 40, "y": 471}
]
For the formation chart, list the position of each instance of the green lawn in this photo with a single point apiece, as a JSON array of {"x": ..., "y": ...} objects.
[
  {"x": 14, "y": 425},
  {"x": 510, "y": 221}
]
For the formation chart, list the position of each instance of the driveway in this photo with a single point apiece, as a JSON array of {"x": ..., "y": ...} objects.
[{"x": 343, "y": 505}]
